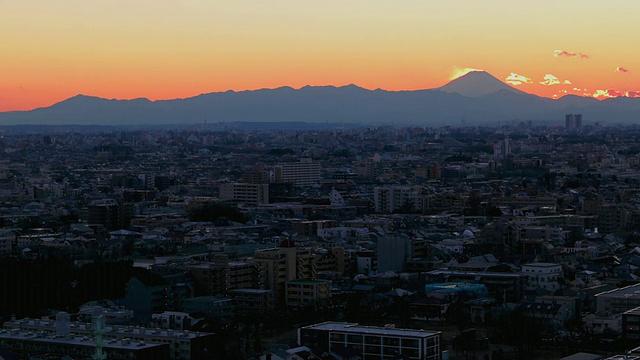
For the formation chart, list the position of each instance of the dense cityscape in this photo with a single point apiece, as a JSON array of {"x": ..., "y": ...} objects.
[{"x": 209, "y": 242}]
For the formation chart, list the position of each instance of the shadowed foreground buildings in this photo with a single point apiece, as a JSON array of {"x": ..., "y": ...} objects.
[
  {"x": 37, "y": 336},
  {"x": 479, "y": 227}
]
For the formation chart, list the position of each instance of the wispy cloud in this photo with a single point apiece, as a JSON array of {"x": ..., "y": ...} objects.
[
  {"x": 564, "y": 53},
  {"x": 550, "y": 79},
  {"x": 516, "y": 79},
  {"x": 621, "y": 69}
]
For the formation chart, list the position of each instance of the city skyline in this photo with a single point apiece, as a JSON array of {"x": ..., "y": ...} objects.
[{"x": 167, "y": 49}]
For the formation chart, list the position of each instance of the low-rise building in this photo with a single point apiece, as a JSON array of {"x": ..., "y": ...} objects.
[
  {"x": 542, "y": 276},
  {"x": 183, "y": 345},
  {"x": 26, "y": 344},
  {"x": 370, "y": 341}
]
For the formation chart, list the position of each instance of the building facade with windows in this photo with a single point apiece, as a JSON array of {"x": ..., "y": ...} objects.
[
  {"x": 372, "y": 342},
  {"x": 247, "y": 193},
  {"x": 303, "y": 173},
  {"x": 305, "y": 292},
  {"x": 542, "y": 276}
]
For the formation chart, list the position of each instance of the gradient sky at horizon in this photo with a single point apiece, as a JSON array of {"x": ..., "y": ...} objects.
[{"x": 165, "y": 49}]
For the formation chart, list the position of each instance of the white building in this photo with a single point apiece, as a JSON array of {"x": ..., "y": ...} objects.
[
  {"x": 542, "y": 276},
  {"x": 303, "y": 173},
  {"x": 250, "y": 194}
]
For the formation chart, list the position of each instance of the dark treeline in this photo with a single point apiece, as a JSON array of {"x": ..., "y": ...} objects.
[{"x": 28, "y": 286}]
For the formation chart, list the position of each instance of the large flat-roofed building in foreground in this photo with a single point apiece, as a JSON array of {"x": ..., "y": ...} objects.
[
  {"x": 371, "y": 341},
  {"x": 182, "y": 345},
  {"x": 26, "y": 344}
]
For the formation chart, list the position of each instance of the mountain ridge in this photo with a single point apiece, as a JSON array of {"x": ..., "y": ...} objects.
[{"x": 478, "y": 98}]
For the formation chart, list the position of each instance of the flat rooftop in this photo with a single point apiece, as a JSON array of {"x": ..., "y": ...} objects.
[
  {"x": 77, "y": 341},
  {"x": 631, "y": 291},
  {"x": 371, "y": 330},
  {"x": 80, "y": 328},
  {"x": 309, "y": 281},
  {"x": 541, "y": 264},
  {"x": 249, "y": 291}
]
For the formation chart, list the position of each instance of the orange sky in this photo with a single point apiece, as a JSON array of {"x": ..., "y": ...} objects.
[{"x": 163, "y": 49}]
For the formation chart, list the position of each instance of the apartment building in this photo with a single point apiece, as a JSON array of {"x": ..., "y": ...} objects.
[
  {"x": 303, "y": 173},
  {"x": 388, "y": 199},
  {"x": 221, "y": 276},
  {"x": 246, "y": 193},
  {"x": 277, "y": 266},
  {"x": 618, "y": 300},
  {"x": 252, "y": 300},
  {"x": 542, "y": 276},
  {"x": 631, "y": 324},
  {"x": 305, "y": 292}
]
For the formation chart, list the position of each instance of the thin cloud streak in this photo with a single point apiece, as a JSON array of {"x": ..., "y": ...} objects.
[{"x": 564, "y": 53}]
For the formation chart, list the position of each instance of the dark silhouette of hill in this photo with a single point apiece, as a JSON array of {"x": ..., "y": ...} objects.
[{"x": 477, "y": 98}]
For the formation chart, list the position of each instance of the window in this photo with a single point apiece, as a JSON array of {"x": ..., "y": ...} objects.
[
  {"x": 391, "y": 350},
  {"x": 413, "y": 343},
  {"x": 390, "y": 341},
  {"x": 372, "y": 340},
  {"x": 372, "y": 349},
  {"x": 410, "y": 352},
  {"x": 354, "y": 338}
]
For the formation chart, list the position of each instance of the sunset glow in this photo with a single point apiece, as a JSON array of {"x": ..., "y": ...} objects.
[
  {"x": 166, "y": 49},
  {"x": 458, "y": 72}
]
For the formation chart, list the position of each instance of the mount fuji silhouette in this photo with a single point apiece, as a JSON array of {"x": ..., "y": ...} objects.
[
  {"x": 478, "y": 98},
  {"x": 477, "y": 83}
]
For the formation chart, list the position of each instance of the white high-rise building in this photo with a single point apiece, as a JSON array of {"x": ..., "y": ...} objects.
[{"x": 303, "y": 173}]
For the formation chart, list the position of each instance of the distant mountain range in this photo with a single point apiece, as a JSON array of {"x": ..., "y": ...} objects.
[{"x": 475, "y": 98}]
